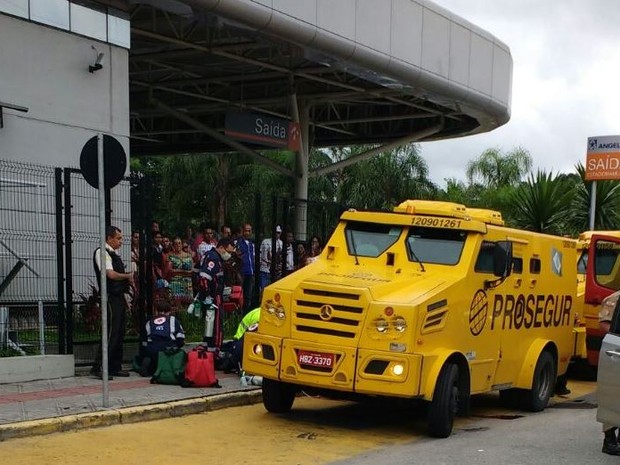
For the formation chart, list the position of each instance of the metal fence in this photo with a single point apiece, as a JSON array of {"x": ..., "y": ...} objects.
[
  {"x": 81, "y": 238},
  {"x": 28, "y": 256},
  {"x": 48, "y": 232},
  {"x": 49, "y": 229}
]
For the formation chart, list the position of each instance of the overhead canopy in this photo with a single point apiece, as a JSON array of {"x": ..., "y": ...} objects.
[{"x": 370, "y": 71}]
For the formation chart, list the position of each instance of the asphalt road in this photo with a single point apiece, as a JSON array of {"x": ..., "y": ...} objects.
[{"x": 319, "y": 431}]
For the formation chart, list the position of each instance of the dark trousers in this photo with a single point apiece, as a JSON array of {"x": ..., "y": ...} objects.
[
  {"x": 117, "y": 309},
  {"x": 237, "y": 353},
  {"x": 248, "y": 292}
]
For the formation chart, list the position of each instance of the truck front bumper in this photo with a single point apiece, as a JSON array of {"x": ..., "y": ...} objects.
[{"x": 347, "y": 369}]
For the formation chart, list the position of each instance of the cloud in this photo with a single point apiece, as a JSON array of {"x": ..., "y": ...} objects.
[{"x": 566, "y": 64}]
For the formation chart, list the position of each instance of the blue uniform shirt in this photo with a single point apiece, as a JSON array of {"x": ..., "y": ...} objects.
[{"x": 164, "y": 331}]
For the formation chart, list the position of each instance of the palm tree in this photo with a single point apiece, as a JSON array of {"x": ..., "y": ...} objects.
[
  {"x": 607, "y": 208},
  {"x": 542, "y": 202},
  {"x": 386, "y": 179},
  {"x": 495, "y": 169}
]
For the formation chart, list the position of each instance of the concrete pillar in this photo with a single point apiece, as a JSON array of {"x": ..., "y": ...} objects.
[{"x": 301, "y": 173}]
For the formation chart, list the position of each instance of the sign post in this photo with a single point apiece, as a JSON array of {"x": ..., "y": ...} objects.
[
  {"x": 103, "y": 163},
  {"x": 602, "y": 163},
  {"x": 102, "y": 274}
]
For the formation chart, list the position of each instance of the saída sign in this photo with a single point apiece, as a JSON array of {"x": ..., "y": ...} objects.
[
  {"x": 262, "y": 130},
  {"x": 603, "y": 158}
]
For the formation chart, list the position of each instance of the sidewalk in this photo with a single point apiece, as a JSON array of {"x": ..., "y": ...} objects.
[{"x": 49, "y": 406}]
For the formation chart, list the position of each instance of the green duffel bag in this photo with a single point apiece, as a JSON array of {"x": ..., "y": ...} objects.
[{"x": 170, "y": 366}]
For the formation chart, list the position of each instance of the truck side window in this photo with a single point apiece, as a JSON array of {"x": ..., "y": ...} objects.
[
  {"x": 606, "y": 264},
  {"x": 484, "y": 262},
  {"x": 535, "y": 265},
  {"x": 517, "y": 265}
]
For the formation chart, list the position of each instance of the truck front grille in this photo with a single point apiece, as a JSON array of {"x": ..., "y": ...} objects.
[{"x": 331, "y": 313}]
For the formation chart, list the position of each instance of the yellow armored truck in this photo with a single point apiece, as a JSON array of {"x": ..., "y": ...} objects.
[
  {"x": 589, "y": 335},
  {"x": 433, "y": 301}
]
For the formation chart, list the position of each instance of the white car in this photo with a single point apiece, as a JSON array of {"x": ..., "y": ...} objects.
[{"x": 609, "y": 368}]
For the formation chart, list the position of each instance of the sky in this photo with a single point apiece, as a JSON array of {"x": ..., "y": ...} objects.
[{"x": 565, "y": 82}]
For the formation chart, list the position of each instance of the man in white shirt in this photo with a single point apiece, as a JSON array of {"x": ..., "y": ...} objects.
[
  {"x": 266, "y": 257},
  {"x": 290, "y": 252},
  {"x": 208, "y": 242},
  {"x": 118, "y": 282}
]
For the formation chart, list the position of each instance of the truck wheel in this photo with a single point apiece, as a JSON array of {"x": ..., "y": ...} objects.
[
  {"x": 443, "y": 407},
  {"x": 537, "y": 398},
  {"x": 278, "y": 397}
]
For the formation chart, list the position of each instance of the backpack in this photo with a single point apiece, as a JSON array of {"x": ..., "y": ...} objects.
[
  {"x": 225, "y": 358},
  {"x": 170, "y": 366},
  {"x": 200, "y": 369}
]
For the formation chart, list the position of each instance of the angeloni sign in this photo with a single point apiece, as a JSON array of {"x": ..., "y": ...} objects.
[{"x": 603, "y": 158}]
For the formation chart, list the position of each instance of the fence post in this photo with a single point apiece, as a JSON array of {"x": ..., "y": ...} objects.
[
  {"x": 68, "y": 261},
  {"x": 41, "y": 328},
  {"x": 61, "y": 309},
  {"x": 4, "y": 326}
]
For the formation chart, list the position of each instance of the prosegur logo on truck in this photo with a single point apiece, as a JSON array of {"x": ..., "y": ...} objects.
[{"x": 520, "y": 311}]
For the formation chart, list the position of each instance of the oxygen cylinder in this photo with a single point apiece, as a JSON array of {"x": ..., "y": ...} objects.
[{"x": 209, "y": 321}]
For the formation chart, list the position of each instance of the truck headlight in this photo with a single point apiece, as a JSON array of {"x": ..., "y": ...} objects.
[
  {"x": 271, "y": 307},
  {"x": 397, "y": 369},
  {"x": 381, "y": 325},
  {"x": 276, "y": 309},
  {"x": 400, "y": 324}
]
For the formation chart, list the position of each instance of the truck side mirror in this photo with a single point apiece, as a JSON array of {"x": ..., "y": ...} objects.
[{"x": 502, "y": 259}]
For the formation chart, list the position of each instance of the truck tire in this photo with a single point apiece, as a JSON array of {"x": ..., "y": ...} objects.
[
  {"x": 444, "y": 405},
  {"x": 543, "y": 384},
  {"x": 278, "y": 397}
]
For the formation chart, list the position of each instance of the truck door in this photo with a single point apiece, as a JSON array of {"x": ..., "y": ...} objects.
[
  {"x": 485, "y": 337},
  {"x": 602, "y": 279}
]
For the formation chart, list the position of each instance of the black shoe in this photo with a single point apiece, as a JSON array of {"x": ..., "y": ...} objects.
[
  {"x": 611, "y": 448},
  {"x": 121, "y": 374},
  {"x": 98, "y": 374},
  {"x": 562, "y": 391}
]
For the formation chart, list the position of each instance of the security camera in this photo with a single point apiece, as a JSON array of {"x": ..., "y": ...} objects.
[{"x": 98, "y": 61}]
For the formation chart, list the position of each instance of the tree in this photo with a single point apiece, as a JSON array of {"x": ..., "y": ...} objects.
[
  {"x": 495, "y": 169},
  {"x": 542, "y": 202},
  {"x": 607, "y": 208},
  {"x": 385, "y": 180}
]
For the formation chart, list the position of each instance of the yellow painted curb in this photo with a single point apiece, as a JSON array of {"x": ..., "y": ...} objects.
[
  {"x": 128, "y": 415},
  {"x": 90, "y": 420},
  {"x": 234, "y": 399},
  {"x": 180, "y": 408},
  {"x": 144, "y": 413},
  {"x": 30, "y": 428}
]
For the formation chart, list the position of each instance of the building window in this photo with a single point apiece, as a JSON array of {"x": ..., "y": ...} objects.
[
  {"x": 15, "y": 7},
  {"x": 52, "y": 12},
  {"x": 88, "y": 22},
  {"x": 119, "y": 31}
]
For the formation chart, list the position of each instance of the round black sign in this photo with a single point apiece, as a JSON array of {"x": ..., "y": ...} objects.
[{"x": 114, "y": 162}]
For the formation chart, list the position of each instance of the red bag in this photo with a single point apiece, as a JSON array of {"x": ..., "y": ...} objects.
[
  {"x": 200, "y": 369},
  {"x": 234, "y": 300}
]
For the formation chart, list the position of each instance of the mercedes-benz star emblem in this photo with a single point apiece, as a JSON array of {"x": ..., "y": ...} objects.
[{"x": 326, "y": 312}]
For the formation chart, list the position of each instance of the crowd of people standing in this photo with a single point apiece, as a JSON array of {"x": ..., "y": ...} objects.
[
  {"x": 189, "y": 267},
  {"x": 179, "y": 259}
]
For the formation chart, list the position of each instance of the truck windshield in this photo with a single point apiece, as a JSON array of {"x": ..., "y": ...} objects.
[
  {"x": 370, "y": 239},
  {"x": 435, "y": 245}
]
